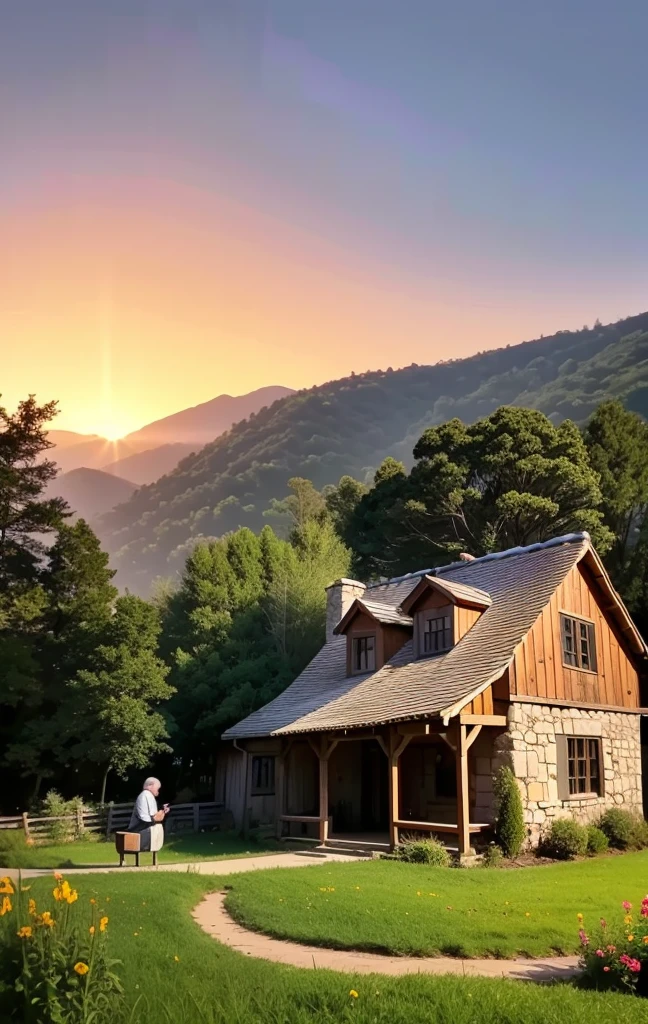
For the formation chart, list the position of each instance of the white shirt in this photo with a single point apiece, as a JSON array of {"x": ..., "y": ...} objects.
[{"x": 144, "y": 809}]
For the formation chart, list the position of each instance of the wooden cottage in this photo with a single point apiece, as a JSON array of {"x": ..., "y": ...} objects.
[{"x": 427, "y": 683}]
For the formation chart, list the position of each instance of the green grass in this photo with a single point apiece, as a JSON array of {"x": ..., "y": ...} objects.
[
  {"x": 410, "y": 909},
  {"x": 177, "y": 849},
  {"x": 150, "y": 924}
]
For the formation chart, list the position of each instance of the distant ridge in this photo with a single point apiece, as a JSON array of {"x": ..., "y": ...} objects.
[{"x": 90, "y": 492}]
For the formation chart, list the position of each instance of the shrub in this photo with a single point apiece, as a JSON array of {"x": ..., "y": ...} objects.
[
  {"x": 14, "y": 851},
  {"x": 640, "y": 835},
  {"x": 624, "y": 830},
  {"x": 55, "y": 806},
  {"x": 55, "y": 966},
  {"x": 597, "y": 841},
  {"x": 492, "y": 856},
  {"x": 510, "y": 829},
  {"x": 424, "y": 851},
  {"x": 565, "y": 840},
  {"x": 617, "y": 958}
]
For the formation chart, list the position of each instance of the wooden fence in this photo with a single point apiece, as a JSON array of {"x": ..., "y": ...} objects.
[{"x": 115, "y": 817}]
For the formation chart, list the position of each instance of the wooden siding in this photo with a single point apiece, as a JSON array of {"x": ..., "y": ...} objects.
[
  {"x": 538, "y": 670},
  {"x": 480, "y": 705},
  {"x": 389, "y": 639},
  {"x": 464, "y": 619}
]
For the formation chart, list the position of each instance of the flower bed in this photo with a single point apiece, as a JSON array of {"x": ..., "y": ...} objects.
[{"x": 617, "y": 957}]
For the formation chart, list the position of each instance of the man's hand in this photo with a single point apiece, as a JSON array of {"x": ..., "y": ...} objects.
[{"x": 159, "y": 816}]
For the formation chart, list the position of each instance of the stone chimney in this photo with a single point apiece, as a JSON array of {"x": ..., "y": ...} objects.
[{"x": 339, "y": 598}]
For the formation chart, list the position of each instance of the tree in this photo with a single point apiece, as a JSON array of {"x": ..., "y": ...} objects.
[
  {"x": 25, "y": 516},
  {"x": 303, "y": 505},
  {"x": 510, "y": 479},
  {"x": 112, "y": 708},
  {"x": 341, "y": 501}
]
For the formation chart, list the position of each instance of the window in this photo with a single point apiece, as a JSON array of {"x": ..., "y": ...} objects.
[
  {"x": 437, "y": 635},
  {"x": 583, "y": 765},
  {"x": 364, "y": 654},
  {"x": 263, "y": 776},
  {"x": 579, "y": 648}
]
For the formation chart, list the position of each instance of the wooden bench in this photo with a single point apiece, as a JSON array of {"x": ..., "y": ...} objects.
[{"x": 129, "y": 842}]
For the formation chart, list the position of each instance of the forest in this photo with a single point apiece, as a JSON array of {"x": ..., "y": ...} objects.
[
  {"x": 349, "y": 426},
  {"x": 97, "y": 686}
]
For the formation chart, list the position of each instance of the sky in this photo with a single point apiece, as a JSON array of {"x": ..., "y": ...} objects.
[{"x": 207, "y": 196}]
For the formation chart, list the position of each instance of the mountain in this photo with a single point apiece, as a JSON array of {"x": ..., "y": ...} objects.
[
  {"x": 66, "y": 438},
  {"x": 203, "y": 423},
  {"x": 146, "y": 467},
  {"x": 93, "y": 454},
  {"x": 350, "y": 425},
  {"x": 90, "y": 492}
]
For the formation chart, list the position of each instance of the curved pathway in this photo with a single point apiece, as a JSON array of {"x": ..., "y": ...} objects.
[{"x": 213, "y": 918}]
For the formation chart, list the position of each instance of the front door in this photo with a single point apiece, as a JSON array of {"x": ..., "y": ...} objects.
[{"x": 374, "y": 788}]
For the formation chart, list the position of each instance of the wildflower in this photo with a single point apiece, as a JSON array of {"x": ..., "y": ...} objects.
[
  {"x": 58, "y": 876},
  {"x": 102, "y": 924},
  {"x": 6, "y": 887},
  {"x": 72, "y": 896},
  {"x": 579, "y": 917},
  {"x": 611, "y": 949},
  {"x": 583, "y": 938},
  {"x": 630, "y": 938},
  {"x": 46, "y": 919},
  {"x": 93, "y": 901},
  {"x": 81, "y": 968},
  {"x": 24, "y": 932},
  {"x": 5, "y": 906},
  {"x": 626, "y": 906},
  {"x": 628, "y": 961},
  {"x": 606, "y": 969},
  {"x": 25, "y": 888},
  {"x": 527, "y": 914},
  {"x": 177, "y": 959},
  {"x": 645, "y": 940},
  {"x": 627, "y": 919},
  {"x": 91, "y": 929},
  {"x": 29, "y": 842},
  {"x": 599, "y": 952},
  {"x": 353, "y": 994},
  {"x": 31, "y": 907},
  {"x": 603, "y": 923}
]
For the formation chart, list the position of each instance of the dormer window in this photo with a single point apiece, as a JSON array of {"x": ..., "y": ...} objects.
[
  {"x": 437, "y": 634},
  {"x": 363, "y": 654}
]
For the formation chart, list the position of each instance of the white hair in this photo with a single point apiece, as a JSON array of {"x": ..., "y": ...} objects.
[{"x": 151, "y": 781}]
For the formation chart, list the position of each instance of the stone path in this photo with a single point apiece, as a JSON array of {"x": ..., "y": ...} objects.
[{"x": 213, "y": 918}]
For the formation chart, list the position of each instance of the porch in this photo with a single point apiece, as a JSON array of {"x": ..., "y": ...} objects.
[{"x": 370, "y": 788}]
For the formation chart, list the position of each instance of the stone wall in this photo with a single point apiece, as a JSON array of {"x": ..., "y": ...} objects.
[{"x": 529, "y": 746}]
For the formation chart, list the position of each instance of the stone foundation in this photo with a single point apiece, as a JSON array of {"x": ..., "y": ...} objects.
[{"x": 529, "y": 747}]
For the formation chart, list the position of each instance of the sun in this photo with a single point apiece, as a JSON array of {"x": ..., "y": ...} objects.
[{"x": 111, "y": 430}]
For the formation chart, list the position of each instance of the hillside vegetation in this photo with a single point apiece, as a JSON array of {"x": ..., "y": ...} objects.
[{"x": 349, "y": 426}]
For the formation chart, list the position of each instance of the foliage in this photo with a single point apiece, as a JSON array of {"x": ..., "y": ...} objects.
[
  {"x": 492, "y": 856},
  {"x": 14, "y": 851},
  {"x": 617, "y": 957},
  {"x": 624, "y": 830},
  {"x": 510, "y": 829},
  {"x": 564, "y": 840},
  {"x": 424, "y": 851},
  {"x": 56, "y": 958},
  {"x": 55, "y": 806},
  {"x": 510, "y": 479},
  {"x": 347, "y": 427},
  {"x": 597, "y": 841}
]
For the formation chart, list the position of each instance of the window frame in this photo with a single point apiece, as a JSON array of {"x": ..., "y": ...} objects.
[
  {"x": 572, "y": 745},
  {"x": 578, "y": 622},
  {"x": 257, "y": 786},
  {"x": 432, "y": 615},
  {"x": 358, "y": 639}
]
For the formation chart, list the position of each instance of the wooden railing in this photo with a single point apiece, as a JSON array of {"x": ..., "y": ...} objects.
[{"x": 115, "y": 817}]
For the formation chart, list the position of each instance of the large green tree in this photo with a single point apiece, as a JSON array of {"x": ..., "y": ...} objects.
[{"x": 509, "y": 479}]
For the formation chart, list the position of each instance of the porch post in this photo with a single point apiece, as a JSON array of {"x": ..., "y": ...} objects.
[
  {"x": 463, "y": 792},
  {"x": 280, "y": 790},
  {"x": 324, "y": 754},
  {"x": 397, "y": 744}
]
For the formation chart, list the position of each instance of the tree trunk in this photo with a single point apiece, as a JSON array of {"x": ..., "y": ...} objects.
[
  {"x": 39, "y": 779},
  {"x": 102, "y": 799}
]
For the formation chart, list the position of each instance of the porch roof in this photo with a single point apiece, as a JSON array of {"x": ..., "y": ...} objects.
[{"x": 520, "y": 583}]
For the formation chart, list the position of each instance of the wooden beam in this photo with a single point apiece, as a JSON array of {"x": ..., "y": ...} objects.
[
  {"x": 448, "y": 742},
  {"x": 553, "y": 702},
  {"x": 323, "y": 798},
  {"x": 397, "y": 745},
  {"x": 310, "y": 818},
  {"x": 463, "y": 792},
  {"x": 383, "y": 746},
  {"x": 280, "y": 790},
  {"x": 440, "y": 826},
  {"x": 472, "y": 736},
  {"x": 486, "y": 719}
]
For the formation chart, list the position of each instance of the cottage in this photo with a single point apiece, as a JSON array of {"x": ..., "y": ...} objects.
[{"x": 427, "y": 683}]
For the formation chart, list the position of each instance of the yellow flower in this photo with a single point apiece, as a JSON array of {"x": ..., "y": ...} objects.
[
  {"x": 5, "y": 906},
  {"x": 630, "y": 938},
  {"x": 527, "y": 914},
  {"x": 92, "y": 929},
  {"x": 46, "y": 919},
  {"x": 353, "y": 994},
  {"x": 31, "y": 907},
  {"x": 81, "y": 968},
  {"x": 72, "y": 896},
  {"x": 6, "y": 886},
  {"x": 177, "y": 959},
  {"x": 579, "y": 917},
  {"x": 25, "y": 888},
  {"x": 93, "y": 901},
  {"x": 102, "y": 924},
  {"x": 627, "y": 919},
  {"x": 24, "y": 932}
]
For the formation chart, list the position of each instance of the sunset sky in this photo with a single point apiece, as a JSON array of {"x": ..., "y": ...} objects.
[{"x": 206, "y": 196}]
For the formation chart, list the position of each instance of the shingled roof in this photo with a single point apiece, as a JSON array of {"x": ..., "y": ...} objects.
[{"x": 519, "y": 583}]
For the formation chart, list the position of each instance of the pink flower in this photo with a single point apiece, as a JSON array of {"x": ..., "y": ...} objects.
[
  {"x": 606, "y": 969},
  {"x": 611, "y": 949},
  {"x": 599, "y": 952},
  {"x": 583, "y": 937},
  {"x": 603, "y": 923},
  {"x": 626, "y": 906},
  {"x": 633, "y": 965},
  {"x": 644, "y": 907}
]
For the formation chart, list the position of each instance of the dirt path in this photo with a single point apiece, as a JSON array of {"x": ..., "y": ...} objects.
[{"x": 213, "y": 918}]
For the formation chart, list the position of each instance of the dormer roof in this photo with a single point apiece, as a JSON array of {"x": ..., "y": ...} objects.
[
  {"x": 385, "y": 614},
  {"x": 455, "y": 592}
]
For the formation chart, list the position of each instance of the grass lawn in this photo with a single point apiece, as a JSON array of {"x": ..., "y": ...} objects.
[
  {"x": 150, "y": 925},
  {"x": 409, "y": 909},
  {"x": 177, "y": 849}
]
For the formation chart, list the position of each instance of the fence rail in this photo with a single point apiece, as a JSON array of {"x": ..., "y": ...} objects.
[{"x": 114, "y": 818}]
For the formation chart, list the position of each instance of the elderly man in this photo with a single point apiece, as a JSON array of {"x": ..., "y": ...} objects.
[{"x": 146, "y": 818}]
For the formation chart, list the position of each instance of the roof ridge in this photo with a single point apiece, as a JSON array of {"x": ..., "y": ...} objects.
[{"x": 567, "y": 538}]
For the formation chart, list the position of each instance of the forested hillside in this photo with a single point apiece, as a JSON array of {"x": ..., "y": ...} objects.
[{"x": 350, "y": 425}]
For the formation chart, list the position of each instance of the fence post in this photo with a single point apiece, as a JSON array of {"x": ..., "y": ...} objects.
[
  {"x": 109, "y": 819},
  {"x": 79, "y": 821},
  {"x": 196, "y": 817},
  {"x": 25, "y": 824}
]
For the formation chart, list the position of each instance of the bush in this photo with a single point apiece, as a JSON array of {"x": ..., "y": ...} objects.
[
  {"x": 510, "y": 829},
  {"x": 492, "y": 856},
  {"x": 565, "y": 840},
  {"x": 14, "y": 851},
  {"x": 597, "y": 841},
  {"x": 617, "y": 958},
  {"x": 55, "y": 806},
  {"x": 424, "y": 851},
  {"x": 54, "y": 963},
  {"x": 623, "y": 829}
]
